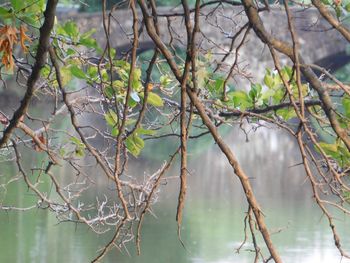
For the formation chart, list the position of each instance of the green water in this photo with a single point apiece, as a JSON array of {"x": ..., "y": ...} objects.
[{"x": 213, "y": 221}]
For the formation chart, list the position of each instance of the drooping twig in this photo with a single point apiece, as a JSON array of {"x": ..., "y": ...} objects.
[{"x": 222, "y": 145}]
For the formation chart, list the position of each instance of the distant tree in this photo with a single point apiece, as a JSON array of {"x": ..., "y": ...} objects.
[{"x": 185, "y": 97}]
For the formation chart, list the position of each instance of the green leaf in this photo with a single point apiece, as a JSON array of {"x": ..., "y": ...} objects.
[
  {"x": 136, "y": 85},
  {"x": 239, "y": 96},
  {"x": 70, "y": 52},
  {"x": 92, "y": 71},
  {"x": 104, "y": 75},
  {"x": 266, "y": 95},
  {"x": 90, "y": 43},
  {"x": 337, "y": 151},
  {"x": 71, "y": 29},
  {"x": 111, "y": 118},
  {"x": 88, "y": 33},
  {"x": 287, "y": 73},
  {"x": 338, "y": 11},
  {"x": 18, "y": 5},
  {"x": 113, "y": 52},
  {"x": 31, "y": 19},
  {"x": 346, "y": 195},
  {"x": 123, "y": 74},
  {"x": 132, "y": 148},
  {"x": 132, "y": 103},
  {"x": 329, "y": 149},
  {"x": 45, "y": 71},
  {"x": 136, "y": 74},
  {"x": 6, "y": 13},
  {"x": 240, "y": 99},
  {"x": 77, "y": 72},
  {"x": 134, "y": 144},
  {"x": 286, "y": 113},
  {"x": 343, "y": 151},
  {"x": 164, "y": 80},
  {"x": 109, "y": 92},
  {"x": 279, "y": 94},
  {"x": 79, "y": 144},
  {"x": 123, "y": 65},
  {"x": 346, "y": 106},
  {"x": 39, "y": 6},
  {"x": 75, "y": 140},
  {"x": 202, "y": 76},
  {"x": 79, "y": 152},
  {"x": 62, "y": 152},
  {"x": 130, "y": 122},
  {"x": 153, "y": 99},
  {"x": 255, "y": 92},
  {"x": 118, "y": 84},
  {"x": 347, "y": 7},
  {"x": 219, "y": 84},
  {"x": 269, "y": 81},
  {"x": 139, "y": 142},
  {"x": 66, "y": 75},
  {"x": 115, "y": 131},
  {"x": 145, "y": 132}
]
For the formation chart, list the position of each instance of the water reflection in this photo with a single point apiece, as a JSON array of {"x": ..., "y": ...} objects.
[{"x": 214, "y": 212}]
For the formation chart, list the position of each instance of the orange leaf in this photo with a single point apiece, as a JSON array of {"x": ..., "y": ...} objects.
[
  {"x": 150, "y": 86},
  {"x": 8, "y": 37},
  {"x": 23, "y": 37}
]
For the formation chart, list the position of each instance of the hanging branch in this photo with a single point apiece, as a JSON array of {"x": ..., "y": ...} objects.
[
  {"x": 40, "y": 58},
  {"x": 183, "y": 128},
  {"x": 192, "y": 93},
  {"x": 213, "y": 130}
]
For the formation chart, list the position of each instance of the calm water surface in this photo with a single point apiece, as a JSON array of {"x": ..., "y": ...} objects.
[{"x": 213, "y": 222}]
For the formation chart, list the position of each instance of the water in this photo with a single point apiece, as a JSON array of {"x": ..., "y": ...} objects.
[{"x": 214, "y": 213}]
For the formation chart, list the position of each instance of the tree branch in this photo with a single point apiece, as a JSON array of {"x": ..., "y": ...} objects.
[
  {"x": 40, "y": 58},
  {"x": 331, "y": 19},
  {"x": 283, "y": 47}
]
